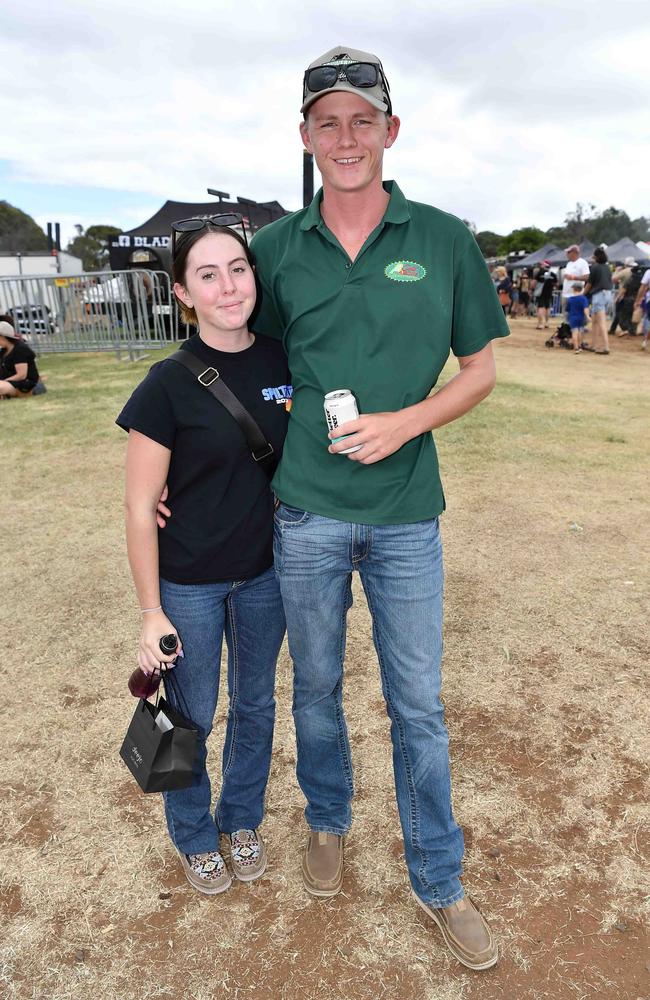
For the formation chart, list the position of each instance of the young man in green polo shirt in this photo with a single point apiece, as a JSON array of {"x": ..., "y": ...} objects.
[{"x": 370, "y": 292}]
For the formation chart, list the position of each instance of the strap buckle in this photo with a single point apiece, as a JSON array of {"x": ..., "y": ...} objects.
[
  {"x": 267, "y": 454},
  {"x": 212, "y": 374}
]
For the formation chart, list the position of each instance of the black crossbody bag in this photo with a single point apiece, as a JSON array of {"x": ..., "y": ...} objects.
[{"x": 209, "y": 378}]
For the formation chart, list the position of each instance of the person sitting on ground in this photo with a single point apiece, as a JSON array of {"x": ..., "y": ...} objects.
[
  {"x": 18, "y": 372},
  {"x": 578, "y": 314},
  {"x": 7, "y": 318}
]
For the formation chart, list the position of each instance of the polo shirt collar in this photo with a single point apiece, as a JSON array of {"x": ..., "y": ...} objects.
[{"x": 397, "y": 210}]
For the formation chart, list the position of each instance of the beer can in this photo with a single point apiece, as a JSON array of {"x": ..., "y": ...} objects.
[{"x": 340, "y": 407}]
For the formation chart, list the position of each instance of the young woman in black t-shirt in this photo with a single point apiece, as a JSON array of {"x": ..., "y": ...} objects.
[
  {"x": 18, "y": 372},
  {"x": 209, "y": 572}
]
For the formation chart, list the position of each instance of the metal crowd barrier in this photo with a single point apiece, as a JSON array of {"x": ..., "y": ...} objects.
[{"x": 122, "y": 311}]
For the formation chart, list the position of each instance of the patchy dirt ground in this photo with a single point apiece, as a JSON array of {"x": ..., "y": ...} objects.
[{"x": 546, "y": 691}]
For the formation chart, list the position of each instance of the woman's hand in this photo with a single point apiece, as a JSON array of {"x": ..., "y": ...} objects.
[{"x": 155, "y": 624}]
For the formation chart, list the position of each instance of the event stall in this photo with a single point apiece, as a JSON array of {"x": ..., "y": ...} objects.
[{"x": 147, "y": 246}]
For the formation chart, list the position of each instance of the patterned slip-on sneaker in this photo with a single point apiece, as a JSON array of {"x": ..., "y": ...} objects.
[
  {"x": 247, "y": 855},
  {"x": 206, "y": 872}
]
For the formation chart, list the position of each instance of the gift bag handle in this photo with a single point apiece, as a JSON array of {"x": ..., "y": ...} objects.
[{"x": 168, "y": 678}]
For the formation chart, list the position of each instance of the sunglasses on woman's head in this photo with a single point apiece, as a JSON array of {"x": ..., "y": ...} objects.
[
  {"x": 226, "y": 220},
  {"x": 358, "y": 74}
]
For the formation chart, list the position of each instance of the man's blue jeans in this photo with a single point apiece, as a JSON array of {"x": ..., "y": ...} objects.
[
  {"x": 401, "y": 572},
  {"x": 251, "y": 615}
]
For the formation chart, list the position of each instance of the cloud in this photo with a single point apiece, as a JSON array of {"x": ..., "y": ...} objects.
[{"x": 511, "y": 111}]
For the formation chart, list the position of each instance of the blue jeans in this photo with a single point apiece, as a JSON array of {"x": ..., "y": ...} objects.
[
  {"x": 401, "y": 572},
  {"x": 250, "y": 612}
]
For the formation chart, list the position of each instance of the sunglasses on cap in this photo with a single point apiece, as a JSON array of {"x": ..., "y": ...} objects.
[
  {"x": 360, "y": 75},
  {"x": 226, "y": 219}
]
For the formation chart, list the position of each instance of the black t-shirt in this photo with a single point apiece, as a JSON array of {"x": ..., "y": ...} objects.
[
  {"x": 600, "y": 278},
  {"x": 20, "y": 355},
  {"x": 221, "y": 527}
]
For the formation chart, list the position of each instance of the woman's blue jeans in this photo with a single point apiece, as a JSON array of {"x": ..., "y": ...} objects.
[
  {"x": 251, "y": 615},
  {"x": 402, "y": 575}
]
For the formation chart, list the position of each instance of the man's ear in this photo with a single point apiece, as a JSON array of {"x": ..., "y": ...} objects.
[
  {"x": 393, "y": 131},
  {"x": 182, "y": 293},
  {"x": 304, "y": 135}
]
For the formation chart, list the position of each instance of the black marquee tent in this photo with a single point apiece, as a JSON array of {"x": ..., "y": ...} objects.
[
  {"x": 616, "y": 254},
  {"x": 619, "y": 251},
  {"x": 535, "y": 258},
  {"x": 148, "y": 245}
]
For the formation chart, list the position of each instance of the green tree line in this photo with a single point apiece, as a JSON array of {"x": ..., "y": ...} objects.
[
  {"x": 19, "y": 232},
  {"x": 583, "y": 223}
]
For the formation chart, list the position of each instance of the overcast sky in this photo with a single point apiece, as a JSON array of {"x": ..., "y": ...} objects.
[{"x": 511, "y": 111}]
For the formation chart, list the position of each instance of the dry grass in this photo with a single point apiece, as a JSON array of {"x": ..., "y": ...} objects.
[{"x": 546, "y": 680}]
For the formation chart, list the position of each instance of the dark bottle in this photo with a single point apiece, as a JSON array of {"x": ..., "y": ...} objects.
[{"x": 143, "y": 686}]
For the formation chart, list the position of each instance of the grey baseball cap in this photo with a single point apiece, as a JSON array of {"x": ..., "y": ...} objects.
[
  {"x": 339, "y": 57},
  {"x": 7, "y": 330}
]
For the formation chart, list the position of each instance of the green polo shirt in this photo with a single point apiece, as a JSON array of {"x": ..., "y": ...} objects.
[{"x": 381, "y": 325}]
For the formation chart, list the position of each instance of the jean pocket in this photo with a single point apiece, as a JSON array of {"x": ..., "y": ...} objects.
[{"x": 287, "y": 516}]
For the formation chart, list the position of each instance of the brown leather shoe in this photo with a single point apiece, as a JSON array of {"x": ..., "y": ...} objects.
[
  {"x": 466, "y": 933},
  {"x": 322, "y": 864}
]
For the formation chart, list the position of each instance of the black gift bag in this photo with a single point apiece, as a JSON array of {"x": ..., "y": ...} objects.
[{"x": 160, "y": 745}]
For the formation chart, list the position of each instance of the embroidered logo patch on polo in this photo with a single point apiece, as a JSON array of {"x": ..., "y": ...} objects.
[{"x": 405, "y": 270}]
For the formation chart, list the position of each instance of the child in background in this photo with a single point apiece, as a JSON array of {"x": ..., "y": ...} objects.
[{"x": 578, "y": 314}]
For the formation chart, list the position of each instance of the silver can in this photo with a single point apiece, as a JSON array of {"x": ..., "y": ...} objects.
[{"x": 340, "y": 407}]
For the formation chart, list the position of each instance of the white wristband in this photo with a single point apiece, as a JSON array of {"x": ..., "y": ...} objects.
[{"x": 145, "y": 611}]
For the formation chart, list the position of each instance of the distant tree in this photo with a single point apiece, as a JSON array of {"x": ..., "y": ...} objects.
[
  {"x": 470, "y": 225},
  {"x": 530, "y": 238},
  {"x": 585, "y": 223},
  {"x": 18, "y": 231},
  {"x": 92, "y": 245},
  {"x": 488, "y": 243},
  {"x": 640, "y": 229},
  {"x": 610, "y": 226}
]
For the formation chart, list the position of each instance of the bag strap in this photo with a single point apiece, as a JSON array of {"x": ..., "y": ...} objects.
[
  {"x": 168, "y": 679},
  {"x": 209, "y": 378}
]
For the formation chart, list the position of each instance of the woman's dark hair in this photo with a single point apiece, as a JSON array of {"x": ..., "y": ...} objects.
[
  {"x": 184, "y": 244},
  {"x": 600, "y": 256}
]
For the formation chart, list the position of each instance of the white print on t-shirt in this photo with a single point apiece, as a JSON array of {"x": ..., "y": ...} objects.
[{"x": 281, "y": 393}]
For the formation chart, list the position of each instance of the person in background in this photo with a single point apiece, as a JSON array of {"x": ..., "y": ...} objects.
[
  {"x": 578, "y": 314},
  {"x": 577, "y": 269},
  {"x": 18, "y": 371},
  {"x": 642, "y": 302},
  {"x": 504, "y": 289},
  {"x": 620, "y": 278},
  {"x": 547, "y": 281},
  {"x": 629, "y": 285},
  {"x": 599, "y": 286},
  {"x": 514, "y": 294},
  {"x": 6, "y": 318},
  {"x": 524, "y": 293}
]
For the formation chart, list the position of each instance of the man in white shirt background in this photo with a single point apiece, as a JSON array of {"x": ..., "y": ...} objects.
[{"x": 577, "y": 270}]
